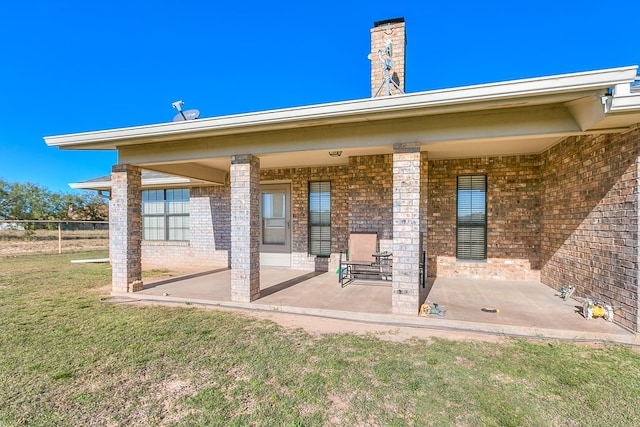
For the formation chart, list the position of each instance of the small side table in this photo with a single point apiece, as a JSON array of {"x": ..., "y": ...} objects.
[{"x": 383, "y": 261}]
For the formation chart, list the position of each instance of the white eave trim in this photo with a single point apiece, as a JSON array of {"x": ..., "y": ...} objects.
[
  {"x": 352, "y": 111},
  {"x": 90, "y": 185},
  {"x": 169, "y": 181}
]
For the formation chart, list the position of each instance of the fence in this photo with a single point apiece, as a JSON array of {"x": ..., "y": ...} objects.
[{"x": 41, "y": 236}]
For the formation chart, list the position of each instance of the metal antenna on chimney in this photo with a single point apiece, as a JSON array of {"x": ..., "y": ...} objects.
[{"x": 387, "y": 64}]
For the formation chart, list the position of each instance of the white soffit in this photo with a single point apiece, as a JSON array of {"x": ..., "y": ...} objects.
[
  {"x": 492, "y": 147},
  {"x": 156, "y": 181}
]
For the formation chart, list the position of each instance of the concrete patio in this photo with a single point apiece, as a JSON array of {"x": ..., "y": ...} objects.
[{"x": 526, "y": 309}]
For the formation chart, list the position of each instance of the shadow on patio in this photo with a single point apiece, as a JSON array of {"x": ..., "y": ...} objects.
[{"x": 527, "y": 309}]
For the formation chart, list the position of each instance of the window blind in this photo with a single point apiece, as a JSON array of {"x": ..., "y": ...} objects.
[
  {"x": 320, "y": 218},
  {"x": 472, "y": 218}
]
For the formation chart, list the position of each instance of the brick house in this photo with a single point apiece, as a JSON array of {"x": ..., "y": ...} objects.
[{"x": 533, "y": 179}]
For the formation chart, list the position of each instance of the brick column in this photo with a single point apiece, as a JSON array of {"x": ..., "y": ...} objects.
[
  {"x": 405, "y": 297},
  {"x": 424, "y": 203},
  {"x": 245, "y": 228},
  {"x": 125, "y": 229}
]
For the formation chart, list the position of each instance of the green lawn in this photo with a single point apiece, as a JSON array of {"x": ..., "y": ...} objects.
[{"x": 66, "y": 358}]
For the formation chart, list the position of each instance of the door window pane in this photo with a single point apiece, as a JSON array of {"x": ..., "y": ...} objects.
[{"x": 274, "y": 218}]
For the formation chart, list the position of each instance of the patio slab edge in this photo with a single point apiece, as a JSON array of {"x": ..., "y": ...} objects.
[{"x": 400, "y": 320}]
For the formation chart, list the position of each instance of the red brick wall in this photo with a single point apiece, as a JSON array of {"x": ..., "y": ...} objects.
[
  {"x": 371, "y": 195},
  {"x": 590, "y": 219},
  {"x": 300, "y": 178},
  {"x": 361, "y": 200},
  {"x": 513, "y": 211}
]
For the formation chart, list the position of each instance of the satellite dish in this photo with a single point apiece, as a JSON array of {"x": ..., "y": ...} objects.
[{"x": 186, "y": 115}]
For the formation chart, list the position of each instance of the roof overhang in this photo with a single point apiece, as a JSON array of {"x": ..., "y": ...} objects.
[
  {"x": 584, "y": 95},
  {"x": 148, "y": 180}
]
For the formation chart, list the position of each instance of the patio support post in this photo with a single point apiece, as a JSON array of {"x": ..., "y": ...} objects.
[
  {"x": 245, "y": 228},
  {"x": 635, "y": 294},
  {"x": 125, "y": 229},
  {"x": 424, "y": 202},
  {"x": 405, "y": 297}
]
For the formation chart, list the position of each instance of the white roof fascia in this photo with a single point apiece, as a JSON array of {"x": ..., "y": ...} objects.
[
  {"x": 357, "y": 110},
  {"x": 625, "y": 103}
]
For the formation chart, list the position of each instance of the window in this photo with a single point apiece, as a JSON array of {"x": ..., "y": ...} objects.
[
  {"x": 165, "y": 214},
  {"x": 320, "y": 218},
  {"x": 274, "y": 220},
  {"x": 472, "y": 218}
]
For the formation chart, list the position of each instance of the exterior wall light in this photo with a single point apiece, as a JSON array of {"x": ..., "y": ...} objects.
[{"x": 335, "y": 153}]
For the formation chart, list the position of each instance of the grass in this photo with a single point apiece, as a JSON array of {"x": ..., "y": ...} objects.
[{"x": 67, "y": 358}]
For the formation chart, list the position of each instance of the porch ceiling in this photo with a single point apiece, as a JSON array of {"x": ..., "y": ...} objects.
[
  {"x": 312, "y": 158},
  {"x": 494, "y": 132}
]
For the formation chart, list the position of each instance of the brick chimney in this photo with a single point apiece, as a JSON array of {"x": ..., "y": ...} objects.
[{"x": 390, "y": 32}]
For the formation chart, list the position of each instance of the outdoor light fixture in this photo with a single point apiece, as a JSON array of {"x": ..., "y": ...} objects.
[{"x": 335, "y": 153}]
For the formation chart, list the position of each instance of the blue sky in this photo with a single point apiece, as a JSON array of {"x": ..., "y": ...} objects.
[{"x": 76, "y": 66}]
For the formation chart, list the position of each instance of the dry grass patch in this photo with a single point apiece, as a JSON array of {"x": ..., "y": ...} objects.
[{"x": 16, "y": 243}]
